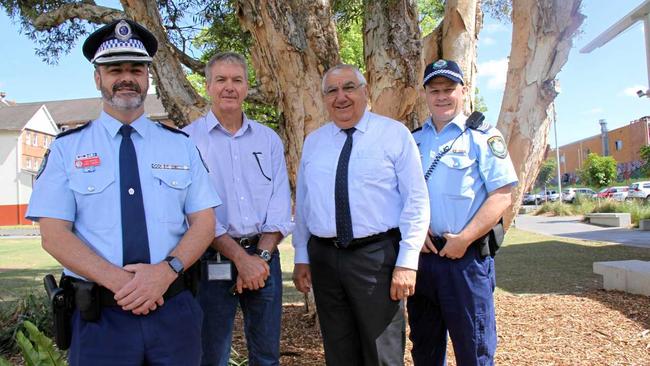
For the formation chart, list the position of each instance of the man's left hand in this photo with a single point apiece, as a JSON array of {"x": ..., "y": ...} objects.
[
  {"x": 145, "y": 291},
  {"x": 455, "y": 247},
  {"x": 403, "y": 283}
]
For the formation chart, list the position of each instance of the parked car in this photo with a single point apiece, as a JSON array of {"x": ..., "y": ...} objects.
[
  {"x": 550, "y": 196},
  {"x": 620, "y": 196},
  {"x": 570, "y": 194},
  {"x": 639, "y": 190},
  {"x": 531, "y": 198},
  {"x": 609, "y": 192}
]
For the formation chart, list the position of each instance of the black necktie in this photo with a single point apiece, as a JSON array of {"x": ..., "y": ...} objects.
[
  {"x": 344, "y": 233},
  {"x": 135, "y": 242}
]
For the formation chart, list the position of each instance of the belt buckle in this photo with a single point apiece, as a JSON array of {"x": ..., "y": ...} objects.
[{"x": 245, "y": 242}]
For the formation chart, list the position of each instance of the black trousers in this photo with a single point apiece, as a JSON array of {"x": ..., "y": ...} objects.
[{"x": 359, "y": 322}]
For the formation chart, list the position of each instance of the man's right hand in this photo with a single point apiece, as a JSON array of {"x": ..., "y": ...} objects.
[
  {"x": 428, "y": 246},
  {"x": 302, "y": 277},
  {"x": 252, "y": 272}
]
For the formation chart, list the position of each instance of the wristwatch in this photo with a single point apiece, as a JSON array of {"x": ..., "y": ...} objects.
[
  {"x": 175, "y": 264},
  {"x": 264, "y": 254}
]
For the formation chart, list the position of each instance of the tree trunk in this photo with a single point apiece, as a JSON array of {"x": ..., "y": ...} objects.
[
  {"x": 392, "y": 53},
  {"x": 541, "y": 40},
  {"x": 294, "y": 43},
  {"x": 181, "y": 101},
  {"x": 455, "y": 38}
]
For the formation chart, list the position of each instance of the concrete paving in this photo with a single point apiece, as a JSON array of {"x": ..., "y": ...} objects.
[
  {"x": 19, "y": 232},
  {"x": 573, "y": 227}
]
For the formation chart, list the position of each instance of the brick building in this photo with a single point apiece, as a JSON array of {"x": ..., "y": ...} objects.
[{"x": 622, "y": 144}]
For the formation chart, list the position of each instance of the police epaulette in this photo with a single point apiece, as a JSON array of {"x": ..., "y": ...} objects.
[
  {"x": 73, "y": 130},
  {"x": 173, "y": 129},
  {"x": 417, "y": 129}
]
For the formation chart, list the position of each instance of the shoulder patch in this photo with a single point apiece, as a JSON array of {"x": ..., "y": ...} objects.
[
  {"x": 417, "y": 129},
  {"x": 173, "y": 129},
  {"x": 498, "y": 146},
  {"x": 73, "y": 130},
  {"x": 43, "y": 163}
]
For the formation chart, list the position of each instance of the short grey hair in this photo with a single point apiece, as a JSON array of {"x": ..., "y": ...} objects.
[
  {"x": 360, "y": 78},
  {"x": 227, "y": 57}
]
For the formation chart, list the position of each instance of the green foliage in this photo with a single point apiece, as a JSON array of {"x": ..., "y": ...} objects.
[
  {"x": 638, "y": 210},
  {"x": 431, "y": 13},
  {"x": 479, "y": 102},
  {"x": 598, "y": 171},
  {"x": 645, "y": 159},
  {"x": 546, "y": 172},
  {"x": 236, "y": 359},
  {"x": 350, "y": 37},
  {"x": 4, "y": 362},
  {"x": 38, "y": 349},
  {"x": 34, "y": 308},
  {"x": 556, "y": 208},
  {"x": 498, "y": 9}
]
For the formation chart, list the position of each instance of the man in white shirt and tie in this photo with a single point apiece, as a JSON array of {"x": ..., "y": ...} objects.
[{"x": 362, "y": 212}]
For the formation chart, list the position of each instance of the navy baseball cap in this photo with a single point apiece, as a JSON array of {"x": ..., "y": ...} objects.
[
  {"x": 446, "y": 68},
  {"x": 120, "y": 41}
]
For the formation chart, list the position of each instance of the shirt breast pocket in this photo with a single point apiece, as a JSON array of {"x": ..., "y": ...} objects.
[
  {"x": 459, "y": 174},
  {"x": 171, "y": 192},
  {"x": 372, "y": 169},
  {"x": 96, "y": 199}
]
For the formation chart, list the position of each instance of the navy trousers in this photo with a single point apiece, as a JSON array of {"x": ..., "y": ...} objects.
[
  {"x": 171, "y": 335},
  {"x": 455, "y": 297}
]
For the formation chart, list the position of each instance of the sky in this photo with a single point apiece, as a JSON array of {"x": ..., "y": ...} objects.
[{"x": 594, "y": 86}]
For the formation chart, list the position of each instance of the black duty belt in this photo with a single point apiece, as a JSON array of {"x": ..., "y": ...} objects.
[
  {"x": 440, "y": 241},
  {"x": 107, "y": 297},
  {"x": 361, "y": 242},
  {"x": 248, "y": 242}
]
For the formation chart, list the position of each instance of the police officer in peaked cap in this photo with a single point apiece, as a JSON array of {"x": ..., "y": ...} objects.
[
  {"x": 125, "y": 205},
  {"x": 469, "y": 177}
]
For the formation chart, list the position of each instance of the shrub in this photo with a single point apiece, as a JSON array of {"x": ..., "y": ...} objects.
[{"x": 34, "y": 308}]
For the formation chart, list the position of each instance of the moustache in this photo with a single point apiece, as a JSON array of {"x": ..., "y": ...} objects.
[{"x": 126, "y": 85}]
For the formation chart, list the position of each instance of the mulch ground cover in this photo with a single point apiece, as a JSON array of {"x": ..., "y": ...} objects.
[{"x": 594, "y": 327}]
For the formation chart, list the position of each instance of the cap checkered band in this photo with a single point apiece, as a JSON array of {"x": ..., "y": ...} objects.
[
  {"x": 446, "y": 72},
  {"x": 132, "y": 45}
]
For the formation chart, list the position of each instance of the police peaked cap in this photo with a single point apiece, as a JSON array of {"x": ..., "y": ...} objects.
[
  {"x": 120, "y": 41},
  {"x": 445, "y": 68}
]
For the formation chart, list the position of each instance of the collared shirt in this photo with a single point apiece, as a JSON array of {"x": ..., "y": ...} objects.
[
  {"x": 464, "y": 176},
  {"x": 385, "y": 185},
  {"x": 174, "y": 184},
  {"x": 249, "y": 171}
]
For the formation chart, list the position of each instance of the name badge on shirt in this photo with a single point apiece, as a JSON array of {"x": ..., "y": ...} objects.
[
  {"x": 87, "y": 162},
  {"x": 169, "y": 166}
]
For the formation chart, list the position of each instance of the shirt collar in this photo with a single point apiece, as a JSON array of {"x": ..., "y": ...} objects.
[
  {"x": 211, "y": 122},
  {"x": 361, "y": 126},
  {"x": 458, "y": 121},
  {"x": 141, "y": 125}
]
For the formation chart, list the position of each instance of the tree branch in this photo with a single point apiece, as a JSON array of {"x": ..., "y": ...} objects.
[
  {"x": 192, "y": 63},
  {"x": 86, "y": 11},
  {"x": 255, "y": 95}
]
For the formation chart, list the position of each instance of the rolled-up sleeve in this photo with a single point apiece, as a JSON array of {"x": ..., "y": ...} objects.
[
  {"x": 415, "y": 215},
  {"x": 278, "y": 215}
]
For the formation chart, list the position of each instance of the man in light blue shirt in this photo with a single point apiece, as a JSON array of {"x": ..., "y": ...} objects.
[
  {"x": 114, "y": 199},
  {"x": 361, "y": 217},
  {"x": 247, "y": 167},
  {"x": 470, "y": 177}
]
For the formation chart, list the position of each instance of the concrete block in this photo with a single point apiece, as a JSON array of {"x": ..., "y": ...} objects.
[
  {"x": 623, "y": 219},
  {"x": 631, "y": 276},
  {"x": 644, "y": 225}
]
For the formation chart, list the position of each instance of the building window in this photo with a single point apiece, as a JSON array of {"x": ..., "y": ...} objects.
[
  {"x": 29, "y": 163},
  {"x": 35, "y": 139},
  {"x": 619, "y": 145},
  {"x": 28, "y": 138}
]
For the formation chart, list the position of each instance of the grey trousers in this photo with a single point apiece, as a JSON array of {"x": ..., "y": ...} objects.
[{"x": 359, "y": 322}]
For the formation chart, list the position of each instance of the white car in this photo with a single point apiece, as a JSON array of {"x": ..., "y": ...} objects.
[
  {"x": 619, "y": 196},
  {"x": 570, "y": 194},
  {"x": 639, "y": 190},
  {"x": 550, "y": 196}
]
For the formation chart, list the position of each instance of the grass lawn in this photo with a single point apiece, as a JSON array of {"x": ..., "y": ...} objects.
[{"x": 528, "y": 263}]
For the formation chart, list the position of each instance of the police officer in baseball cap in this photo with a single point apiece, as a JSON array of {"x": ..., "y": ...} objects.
[
  {"x": 125, "y": 204},
  {"x": 469, "y": 176}
]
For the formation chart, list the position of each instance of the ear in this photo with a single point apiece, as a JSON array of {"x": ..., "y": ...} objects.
[{"x": 98, "y": 79}]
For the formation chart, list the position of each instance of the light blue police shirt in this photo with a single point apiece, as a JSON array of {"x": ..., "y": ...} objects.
[
  {"x": 385, "y": 185},
  {"x": 464, "y": 176},
  {"x": 249, "y": 171},
  {"x": 174, "y": 184}
]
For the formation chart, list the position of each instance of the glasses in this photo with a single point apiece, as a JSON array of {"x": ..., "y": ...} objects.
[{"x": 347, "y": 89}]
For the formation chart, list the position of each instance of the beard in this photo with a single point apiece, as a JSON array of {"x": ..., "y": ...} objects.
[{"x": 122, "y": 102}]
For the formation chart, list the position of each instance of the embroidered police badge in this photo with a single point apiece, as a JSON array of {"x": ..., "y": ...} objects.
[
  {"x": 123, "y": 31},
  {"x": 498, "y": 146},
  {"x": 43, "y": 164},
  {"x": 439, "y": 64}
]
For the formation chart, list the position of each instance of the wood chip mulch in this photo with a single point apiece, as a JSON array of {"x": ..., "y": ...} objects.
[{"x": 595, "y": 327}]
